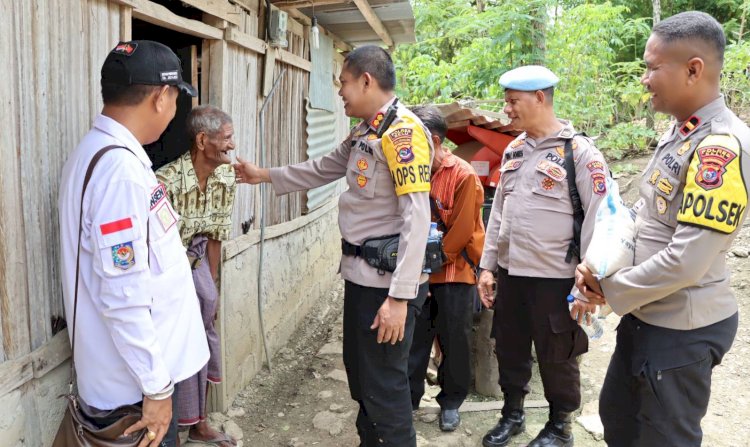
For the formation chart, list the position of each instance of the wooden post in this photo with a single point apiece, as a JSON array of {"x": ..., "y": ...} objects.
[{"x": 126, "y": 23}]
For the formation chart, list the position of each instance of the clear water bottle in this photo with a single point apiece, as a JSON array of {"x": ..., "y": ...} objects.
[
  {"x": 433, "y": 235},
  {"x": 593, "y": 330}
]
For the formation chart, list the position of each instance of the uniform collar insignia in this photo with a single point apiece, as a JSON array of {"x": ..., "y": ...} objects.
[
  {"x": 690, "y": 125},
  {"x": 375, "y": 122}
]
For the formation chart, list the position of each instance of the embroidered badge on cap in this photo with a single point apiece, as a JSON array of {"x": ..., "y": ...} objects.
[
  {"x": 684, "y": 148},
  {"x": 123, "y": 256},
  {"x": 401, "y": 139},
  {"x": 362, "y": 164},
  {"x": 595, "y": 166},
  {"x": 548, "y": 183},
  {"x": 126, "y": 48},
  {"x": 165, "y": 216},
  {"x": 168, "y": 76},
  {"x": 361, "y": 181},
  {"x": 661, "y": 205},
  {"x": 600, "y": 183},
  {"x": 158, "y": 195},
  {"x": 511, "y": 165},
  {"x": 665, "y": 186},
  {"x": 712, "y": 165},
  {"x": 552, "y": 170}
]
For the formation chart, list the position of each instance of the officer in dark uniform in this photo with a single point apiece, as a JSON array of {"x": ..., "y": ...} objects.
[
  {"x": 680, "y": 315},
  {"x": 528, "y": 243}
]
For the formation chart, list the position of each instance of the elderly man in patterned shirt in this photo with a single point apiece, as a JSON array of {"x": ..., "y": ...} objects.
[{"x": 201, "y": 186}]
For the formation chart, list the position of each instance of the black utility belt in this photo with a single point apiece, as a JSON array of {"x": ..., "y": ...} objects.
[{"x": 382, "y": 252}]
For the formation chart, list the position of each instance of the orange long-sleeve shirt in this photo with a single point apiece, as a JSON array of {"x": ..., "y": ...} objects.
[{"x": 459, "y": 195}]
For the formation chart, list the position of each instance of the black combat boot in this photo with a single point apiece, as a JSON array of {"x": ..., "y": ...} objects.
[
  {"x": 558, "y": 432},
  {"x": 510, "y": 424}
]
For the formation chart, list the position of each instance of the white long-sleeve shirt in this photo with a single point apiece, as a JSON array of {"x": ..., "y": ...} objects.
[{"x": 138, "y": 323}]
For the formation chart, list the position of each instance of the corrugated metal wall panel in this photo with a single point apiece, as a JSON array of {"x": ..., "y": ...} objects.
[{"x": 321, "y": 140}]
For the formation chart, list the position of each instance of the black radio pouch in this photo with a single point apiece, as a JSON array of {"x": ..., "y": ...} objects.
[{"x": 382, "y": 253}]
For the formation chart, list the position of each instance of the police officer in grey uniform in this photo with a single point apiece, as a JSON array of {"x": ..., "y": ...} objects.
[
  {"x": 680, "y": 315},
  {"x": 528, "y": 244},
  {"x": 386, "y": 162}
]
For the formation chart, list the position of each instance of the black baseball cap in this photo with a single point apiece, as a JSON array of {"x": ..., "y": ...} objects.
[{"x": 144, "y": 62}]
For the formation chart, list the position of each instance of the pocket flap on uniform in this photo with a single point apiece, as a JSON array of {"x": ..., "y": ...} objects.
[
  {"x": 552, "y": 170},
  {"x": 664, "y": 184},
  {"x": 561, "y": 323},
  {"x": 362, "y": 164},
  {"x": 118, "y": 231}
]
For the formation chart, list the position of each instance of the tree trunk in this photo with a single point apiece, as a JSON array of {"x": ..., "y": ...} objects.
[
  {"x": 745, "y": 6},
  {"x": 538, "y": 33},
  {"x": 657, "y": 10},
  {"x": 481, "y": 5}
]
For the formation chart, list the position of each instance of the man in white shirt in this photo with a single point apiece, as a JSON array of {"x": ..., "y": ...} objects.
[{"x": 138, "y": 328}]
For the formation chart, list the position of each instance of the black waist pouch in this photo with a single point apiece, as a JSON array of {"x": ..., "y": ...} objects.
[{"x": 382, "y": 252}]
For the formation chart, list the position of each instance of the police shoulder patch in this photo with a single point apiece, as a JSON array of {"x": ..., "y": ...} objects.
[
  {"x": 715, "y": 196},
  {"x": 407, "y": 151}
]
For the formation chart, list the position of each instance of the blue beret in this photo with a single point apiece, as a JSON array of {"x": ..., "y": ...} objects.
[{"x": 529, "y": 78}]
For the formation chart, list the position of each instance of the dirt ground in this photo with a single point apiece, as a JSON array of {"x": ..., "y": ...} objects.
[{"x": 305, "y": 401}]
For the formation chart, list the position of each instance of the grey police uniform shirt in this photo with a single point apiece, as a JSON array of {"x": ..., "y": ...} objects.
[
  {"x": 389, "y": 184},
  {"x": 531, "y": 222},
  {"x": 693, "y": 199}
]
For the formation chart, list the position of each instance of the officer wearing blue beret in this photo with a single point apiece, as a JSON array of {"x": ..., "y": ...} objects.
[
  {"x": 529, "y": 78},
  {"x": 535, "y": 263}
]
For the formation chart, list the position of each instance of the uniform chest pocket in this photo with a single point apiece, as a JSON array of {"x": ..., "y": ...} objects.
[
  {"x": 546, "y": 186},
  {"x": 509, "y": 175},
  {"x": 664, "y": 194},
  {"x": 164, "y": 238},
  {"x": 362, "y": 174}
]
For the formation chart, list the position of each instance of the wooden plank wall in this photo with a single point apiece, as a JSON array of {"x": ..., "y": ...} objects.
[
  {"x": 285, "y": 120},
  {"x": 286, "y": 130},
  {"x": 55, "y": 49}
]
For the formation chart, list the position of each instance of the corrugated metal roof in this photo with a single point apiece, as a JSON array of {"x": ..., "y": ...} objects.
[{"x": 347, "y": 22}]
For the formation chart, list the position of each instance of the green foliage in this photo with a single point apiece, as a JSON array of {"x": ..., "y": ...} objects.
[
  {"x": 595, "y": 47},
  {"x": 735, "y": 80},
  {"x": 624, "y": 168},
  {"x": 629, "y": 138},
  {"x": 588, "y": 73}
]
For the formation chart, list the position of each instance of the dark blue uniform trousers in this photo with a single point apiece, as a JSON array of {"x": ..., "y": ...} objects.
[
  {"x": 378, "y": 373},
  {"x": 658, "y": 383}
]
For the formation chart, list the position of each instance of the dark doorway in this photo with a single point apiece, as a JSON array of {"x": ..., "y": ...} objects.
[{"x": 174, "y": 141}]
